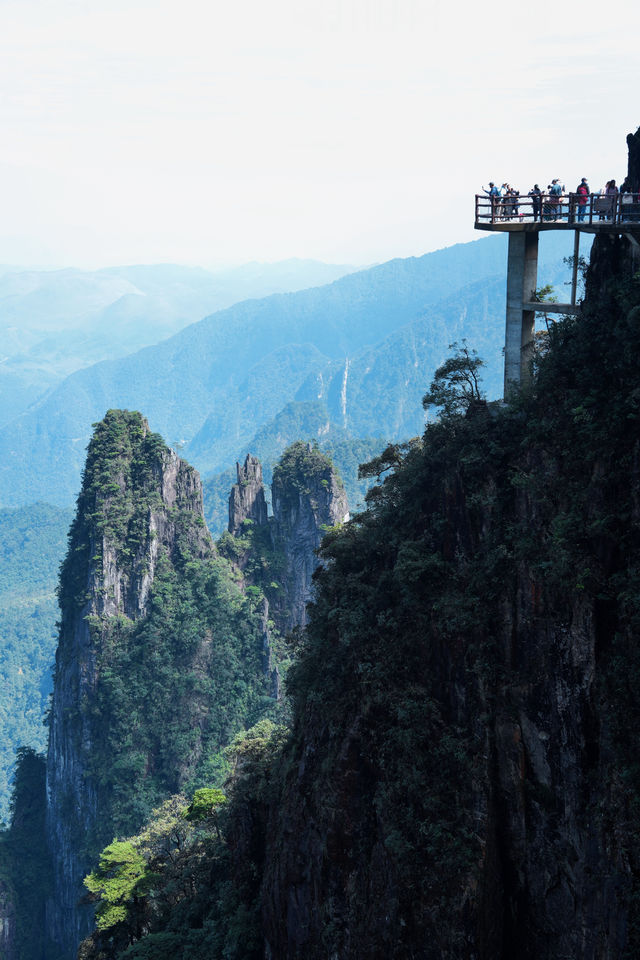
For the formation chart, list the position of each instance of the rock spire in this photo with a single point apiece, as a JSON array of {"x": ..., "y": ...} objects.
[
  {"x": 139, "y": 503},
  {"x": 247, "y": 500}
]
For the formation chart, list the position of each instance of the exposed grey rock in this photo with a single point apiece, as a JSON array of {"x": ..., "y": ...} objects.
[
  {"x": 302, "y": 511},
  {"x": 270, "y": 667},
  {"x": 247, "y": 500},
  {"x": 7, "y": 925},
  {"x": 308, "y": 498},
  {"x": 113, "y": 582},
  {"x": 633, "y": 174}
]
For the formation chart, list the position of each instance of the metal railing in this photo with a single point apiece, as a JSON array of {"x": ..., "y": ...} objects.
[{"x": 573, "y": 208}]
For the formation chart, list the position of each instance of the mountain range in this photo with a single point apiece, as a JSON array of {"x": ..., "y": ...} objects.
[
  {"x": 57, "y": 321},
  {"x": 365, "y": 346}
]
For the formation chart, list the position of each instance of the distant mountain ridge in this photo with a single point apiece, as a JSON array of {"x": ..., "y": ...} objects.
[
  {"x": 379, "y": 333},
  {"x": 54, "y": 322}
]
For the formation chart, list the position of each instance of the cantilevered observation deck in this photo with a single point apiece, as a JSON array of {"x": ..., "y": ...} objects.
[{"x": 524, "y": 218}]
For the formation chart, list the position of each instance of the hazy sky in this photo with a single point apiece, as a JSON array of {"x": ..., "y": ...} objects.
[{"x": 347, "y": 130}]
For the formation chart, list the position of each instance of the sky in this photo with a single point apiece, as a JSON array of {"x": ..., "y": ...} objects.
[{"x": 350, "y": 131}]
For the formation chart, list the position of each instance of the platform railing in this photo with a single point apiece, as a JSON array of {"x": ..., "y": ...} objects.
[{"x": 572, "y": 208}]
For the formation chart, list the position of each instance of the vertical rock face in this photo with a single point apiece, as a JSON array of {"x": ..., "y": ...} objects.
[
  {"x": 307, "y": 499},
  {"x": 135, "y": 496},
  {"x": 633, "y": 175},
  {"x": 549, "y": 876},
  {"x": 247, "y": 500},
  {"x": 7, "y": 924}
]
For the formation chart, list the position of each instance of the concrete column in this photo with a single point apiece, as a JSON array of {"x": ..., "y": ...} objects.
[
  {"x": 522, "y": 280},
  {"x": 574, "y": 273}
]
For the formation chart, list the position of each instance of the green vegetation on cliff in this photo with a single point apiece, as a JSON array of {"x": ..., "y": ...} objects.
[
  {"x": 162, "y": 658},
  {"x": 175, "y": 675},
  {"x": 120, "y": 486},
  {"x": 32, "y": 542},
  {"x": 187, "y": 885},
  {"x": 445, "y": 614},
  {"x": 462, "y": 773},
  {"x": 173, "y": 689},
  {"x": 307, "y": 422},
  {"x": 301, "y": 467}
]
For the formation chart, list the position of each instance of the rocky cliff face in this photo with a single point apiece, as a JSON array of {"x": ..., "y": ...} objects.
[
  {"x": 247, "y": 500},
  {"x": 633, "y": 176},
  {"x": 307, "y": 500},
  {"x": 139, "y": 503},
  {"x": 7, "y": 924},
  {"x": 161, "y": 659},
  {"x": 465, "y": 770}
]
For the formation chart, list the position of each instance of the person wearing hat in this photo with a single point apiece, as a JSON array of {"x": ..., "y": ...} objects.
[
  {"x": 494, "y": 194},
  {"x": 583, "y": 197},
  {"x": 556, "y": 192},
  {"x": 536, "y": 201}
]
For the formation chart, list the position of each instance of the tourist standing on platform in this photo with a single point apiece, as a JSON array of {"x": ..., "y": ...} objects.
[
  {"x": 611, "y": 191},
  {"x": 504, "y": 191},
  {"x": 626, "y": 199},
  {"x": 583, "y": 197},
  {"x": 494, "y": 195},
  {"x": 536, "y": 201},
  {"x": 556, "y": 191},
  {"x": 601, "y": 202},
  {"x": 507, "y": 194}
]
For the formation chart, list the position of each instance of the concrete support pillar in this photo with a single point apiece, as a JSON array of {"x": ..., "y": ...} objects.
[
  {"x": 522, "y": 280},
  {"x": 574, "y": 274}
]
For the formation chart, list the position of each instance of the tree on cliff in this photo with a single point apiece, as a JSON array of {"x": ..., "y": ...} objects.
[{"x": 456, "y": 384}]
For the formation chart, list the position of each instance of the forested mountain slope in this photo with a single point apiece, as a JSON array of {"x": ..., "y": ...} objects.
[
  {"x": 462, "y": 775},
  {"x": 375, "y": 392},
  {"x": 282, "y": 344},
  {"x": 32, "y": 541},
  {"x": 56, "y": 321}
]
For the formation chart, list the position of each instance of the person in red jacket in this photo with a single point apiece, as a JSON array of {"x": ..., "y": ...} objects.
[{"x": 583, "y": 196}]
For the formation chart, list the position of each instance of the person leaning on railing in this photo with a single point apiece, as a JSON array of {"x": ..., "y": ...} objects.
[
  {"x": 611, "y": 191},
  {"x": 494, "y": 195}
]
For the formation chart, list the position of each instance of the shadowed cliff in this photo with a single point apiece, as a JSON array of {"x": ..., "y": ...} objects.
[{"x": 463, "y": 774}]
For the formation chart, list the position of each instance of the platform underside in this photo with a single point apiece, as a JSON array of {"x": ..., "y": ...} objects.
[{"x": 513, "y": 226}]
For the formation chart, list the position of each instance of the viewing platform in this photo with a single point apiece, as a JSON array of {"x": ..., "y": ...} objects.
[
  {"x": 594, "y": 213},
  {"x": 524, "y": 218}
]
